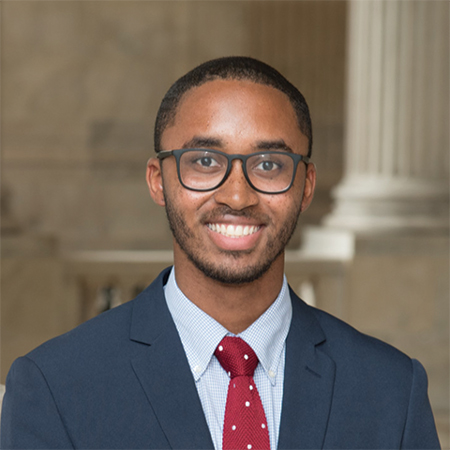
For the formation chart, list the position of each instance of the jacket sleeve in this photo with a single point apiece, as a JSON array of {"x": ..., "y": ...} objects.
[
  {"x": 420, "y": 430},
  {"x": 30, "y": 416}
]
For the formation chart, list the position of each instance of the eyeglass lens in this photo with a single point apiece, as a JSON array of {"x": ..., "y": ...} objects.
[{"x": 202, "y": 170}]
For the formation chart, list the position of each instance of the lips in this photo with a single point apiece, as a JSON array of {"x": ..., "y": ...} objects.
[{"x": 233, "y": 231}]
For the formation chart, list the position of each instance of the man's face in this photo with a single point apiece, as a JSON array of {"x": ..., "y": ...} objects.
[{"x": 232, "y": 234}]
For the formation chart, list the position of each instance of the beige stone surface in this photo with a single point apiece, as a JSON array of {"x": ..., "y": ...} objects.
[
  {"x": 398, "y": 291},
  {"x": 37, "y": 303},
  {"x": 396, "y": 174},
  {"x": 82, "y": 82}
]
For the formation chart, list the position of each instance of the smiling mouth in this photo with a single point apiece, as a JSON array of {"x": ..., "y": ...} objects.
[{"x": 233, "y": 231}]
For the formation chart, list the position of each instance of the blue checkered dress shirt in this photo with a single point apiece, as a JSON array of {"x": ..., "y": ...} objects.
[{"x": 200, "y": 334}]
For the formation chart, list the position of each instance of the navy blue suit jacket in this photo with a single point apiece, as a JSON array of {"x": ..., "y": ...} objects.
[{"x": 122, "y": 380}]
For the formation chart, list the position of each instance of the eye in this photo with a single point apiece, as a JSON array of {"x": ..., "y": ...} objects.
[
  {"x": 267, "y": 166},
  {"x": 203, "y": 162},
  {"x": 207, "y": 161}
]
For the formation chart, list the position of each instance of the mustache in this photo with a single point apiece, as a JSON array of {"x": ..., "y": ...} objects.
[{"x": 221, "y": 211}]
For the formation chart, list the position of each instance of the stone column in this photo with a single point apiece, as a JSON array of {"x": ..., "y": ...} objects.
[{"x": 397, "y": 130}]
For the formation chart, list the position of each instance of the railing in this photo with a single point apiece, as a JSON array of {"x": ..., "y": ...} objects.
[{"x": 105, "y": 279}]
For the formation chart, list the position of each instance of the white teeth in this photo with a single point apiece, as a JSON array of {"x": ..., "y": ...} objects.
[{"x": 233, "y": 231}]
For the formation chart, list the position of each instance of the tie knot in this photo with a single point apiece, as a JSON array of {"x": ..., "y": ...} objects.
[{"x": 236, "y": 357}]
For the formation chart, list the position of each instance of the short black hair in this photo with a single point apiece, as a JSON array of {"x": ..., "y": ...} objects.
[{"x": 231, "y": 68}]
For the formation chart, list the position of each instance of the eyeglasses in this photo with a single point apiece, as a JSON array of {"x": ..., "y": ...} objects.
[{"x": 269, "y": 172}]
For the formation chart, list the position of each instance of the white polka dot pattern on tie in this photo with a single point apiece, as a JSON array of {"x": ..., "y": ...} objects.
[{"x": 243, "y": 401}]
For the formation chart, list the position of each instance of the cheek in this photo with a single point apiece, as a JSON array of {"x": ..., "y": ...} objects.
[
  {"x": 279, "y": 206},
  {"x": 187, "y": 202},
  {"x": 289, "y": 204}
]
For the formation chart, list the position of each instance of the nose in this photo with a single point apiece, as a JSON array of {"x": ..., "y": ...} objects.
[{"x": 236, "y": 192}]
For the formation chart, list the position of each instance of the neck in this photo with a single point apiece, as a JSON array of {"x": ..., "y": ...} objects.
[{"x": 234, "y": 306}]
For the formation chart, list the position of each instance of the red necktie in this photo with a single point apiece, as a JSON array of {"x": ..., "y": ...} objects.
[{"x": 245, "y": 424}]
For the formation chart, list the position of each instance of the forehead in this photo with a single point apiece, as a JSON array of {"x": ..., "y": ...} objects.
[{"x": 232, "y": 109}]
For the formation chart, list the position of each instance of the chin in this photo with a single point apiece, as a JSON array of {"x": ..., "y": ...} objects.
[{"x": 231, "y": 274}]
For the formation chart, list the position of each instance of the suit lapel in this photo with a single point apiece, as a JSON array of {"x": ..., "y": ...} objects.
[
  {"x": 308, "y": 383},
  {"x": 164, "y": 372},
  {"x": 165, "y": 376}
]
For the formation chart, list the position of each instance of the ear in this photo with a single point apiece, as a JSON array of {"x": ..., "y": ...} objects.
[
  {"x": 310, "y": 185},
  {"x": 155, "y": 181}
]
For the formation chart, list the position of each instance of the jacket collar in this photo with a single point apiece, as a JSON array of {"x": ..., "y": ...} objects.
[
  {"x": 166, "y": 378},
  {"x": 164, "y": 373},
  {"x": 308, "y": 382}
]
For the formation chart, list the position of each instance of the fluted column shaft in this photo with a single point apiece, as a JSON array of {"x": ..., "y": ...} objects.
[{"x": 396, "y": 165}]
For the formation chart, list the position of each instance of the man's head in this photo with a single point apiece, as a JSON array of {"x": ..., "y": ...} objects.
[
  {"x": 231, "y": 232},
  {"x": 231, "y": 68}
]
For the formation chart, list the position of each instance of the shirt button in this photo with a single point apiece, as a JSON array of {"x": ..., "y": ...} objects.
[
  {"x": 272, "y": 374},
  {"x": 197, "y": 369}
]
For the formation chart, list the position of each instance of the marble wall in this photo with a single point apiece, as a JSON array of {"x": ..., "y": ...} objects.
[{"x": 82, "y": 82}]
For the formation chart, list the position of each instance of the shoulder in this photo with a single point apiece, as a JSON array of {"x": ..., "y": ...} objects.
[
  {"x": 100, "y": 333},
  {"x": 343, "y": 339},
  {"x": 376, "y": 388},
  {"x": 363, "y": 366},
  {"x": 106, "y": 337},
  {"x": 350, "y": 349}
]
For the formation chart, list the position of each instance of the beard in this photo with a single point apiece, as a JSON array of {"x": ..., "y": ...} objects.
[{"x": 221, "y": 271}]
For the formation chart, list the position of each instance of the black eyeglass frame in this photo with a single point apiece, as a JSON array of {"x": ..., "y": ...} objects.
[{"x": 163, "y": 154}]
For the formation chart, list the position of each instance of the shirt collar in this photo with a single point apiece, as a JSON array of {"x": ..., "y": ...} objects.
[{"x": 200, "y": 334}]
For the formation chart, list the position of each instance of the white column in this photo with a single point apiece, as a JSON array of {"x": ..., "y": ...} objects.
[{"x": 397, "y": 130}]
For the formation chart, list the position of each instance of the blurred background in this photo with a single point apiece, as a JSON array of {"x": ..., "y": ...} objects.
[{"x": 81, "y": 85}]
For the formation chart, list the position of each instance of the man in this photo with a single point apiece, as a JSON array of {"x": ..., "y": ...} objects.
[{"x": 170, "y": 368}]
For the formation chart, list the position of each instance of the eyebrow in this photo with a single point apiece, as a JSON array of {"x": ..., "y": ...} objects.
[
  {"x": 211, "y": 142},
  {"x": 203, "y": 142},
  {"x": 278, "y": 144}
]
